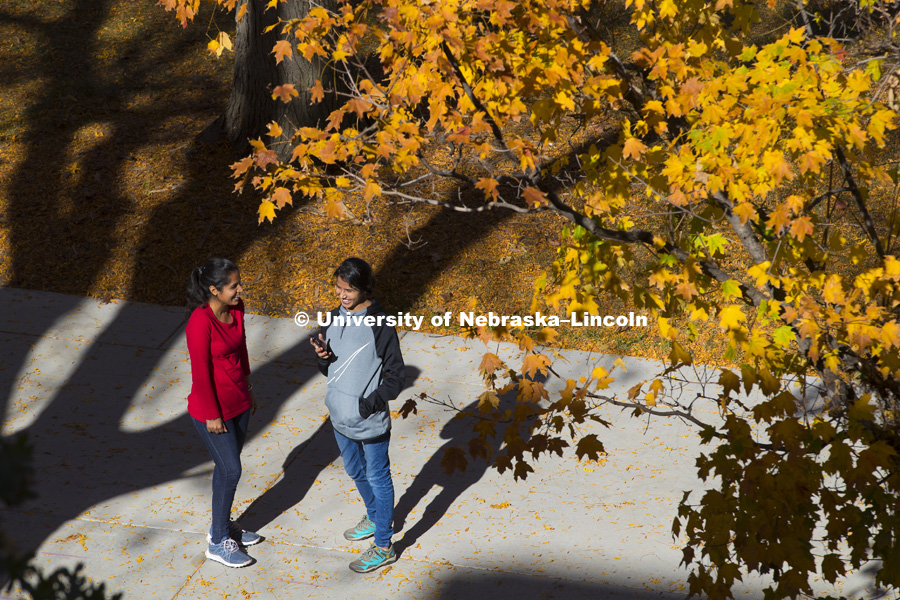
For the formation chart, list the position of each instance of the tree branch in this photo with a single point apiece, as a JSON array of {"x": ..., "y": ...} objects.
[
  {"x": 860, "y": 203},
  {"x": 488, "y": 118}
]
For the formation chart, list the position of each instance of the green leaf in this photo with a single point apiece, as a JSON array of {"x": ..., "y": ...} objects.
[
  {"x": 716, "y": 244},
  {"x": 873, "y": 69},
  {"x": 731, "y": 289},
  {"x": 784, "y": 336},
  {"x": 668, "y": 260}
]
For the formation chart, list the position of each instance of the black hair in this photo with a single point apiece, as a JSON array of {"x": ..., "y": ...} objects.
[
  {"x": 357, "y": 273},
  {"x": 213, "y": 272}
]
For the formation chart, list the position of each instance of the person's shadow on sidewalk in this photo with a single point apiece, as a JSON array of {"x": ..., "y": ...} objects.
[
  {"x": 300, "y": 470},
  {"x": 458, "y": 431}
]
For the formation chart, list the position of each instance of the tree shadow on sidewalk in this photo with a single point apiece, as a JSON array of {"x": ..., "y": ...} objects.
[
  {"x": 458, "y": 431},
  {"x": 470, "y": 583}
]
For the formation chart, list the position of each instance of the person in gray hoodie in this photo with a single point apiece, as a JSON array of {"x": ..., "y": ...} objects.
[{"x": 359, "y": 352}]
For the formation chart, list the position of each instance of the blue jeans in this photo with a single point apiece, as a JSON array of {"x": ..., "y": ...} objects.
[
  {"x": 225, "y": 449},
  {"x": 368, "y": 465}
]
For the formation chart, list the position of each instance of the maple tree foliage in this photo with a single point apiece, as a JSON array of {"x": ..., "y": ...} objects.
[{"x": 760, "y": 163}]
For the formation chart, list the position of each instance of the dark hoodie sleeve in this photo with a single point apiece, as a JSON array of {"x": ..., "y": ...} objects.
[{"x": 393, "y": 372}]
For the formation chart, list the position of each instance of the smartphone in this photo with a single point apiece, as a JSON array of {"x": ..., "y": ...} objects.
[{"x": 319, "y": 343}]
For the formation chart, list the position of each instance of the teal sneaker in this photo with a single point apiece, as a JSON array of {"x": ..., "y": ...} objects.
[
  {"x": 364, "y": 529},
  {"x": 373, "y": 558}
]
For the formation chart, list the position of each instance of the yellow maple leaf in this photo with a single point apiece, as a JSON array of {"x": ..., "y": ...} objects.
[
  {"x": 266, "y": 211},
  {"x": 666, "y": 330},
  {"x": 890, "y": 334},
  {"x": 858, "y": 81},
  {"x": 796, "y": 35},
  {"x": 667, "y": 8},
  {"x": 334, "y": 209},
  {"x": 275, "y": 130},
  {"x": 372, "y": 189},
  {"x": 633, "y": 148},
  {"x": 564, "y": 100},
  {"x": 731, "y": 316}
]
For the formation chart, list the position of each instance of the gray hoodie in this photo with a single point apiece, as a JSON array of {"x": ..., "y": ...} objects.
[{"x": 365, "y": 371}]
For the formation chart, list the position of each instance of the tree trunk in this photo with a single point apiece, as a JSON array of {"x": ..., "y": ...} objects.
[{"x": 251, "y": 107}]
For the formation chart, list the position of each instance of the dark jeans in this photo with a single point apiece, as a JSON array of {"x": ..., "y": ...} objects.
[
  {"x": 368, "y": 465},
  {"x": 225, "y": 449}
]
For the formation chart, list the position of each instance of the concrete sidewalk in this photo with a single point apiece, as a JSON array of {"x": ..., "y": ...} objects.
[{"x": 124, "y": 482}]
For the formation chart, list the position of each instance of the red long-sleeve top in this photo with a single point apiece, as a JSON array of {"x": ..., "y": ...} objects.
[{"x": 219, "y": 364}]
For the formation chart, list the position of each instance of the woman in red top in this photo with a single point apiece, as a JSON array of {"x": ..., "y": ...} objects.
[{"x": 220, "y": 402}]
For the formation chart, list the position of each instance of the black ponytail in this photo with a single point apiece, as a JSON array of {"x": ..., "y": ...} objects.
[{"x": 213, "y": 272}]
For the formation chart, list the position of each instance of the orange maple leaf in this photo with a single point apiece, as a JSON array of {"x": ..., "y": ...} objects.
[
  {"x": 490, "y": 363},
  {"x": 265, "y": 158},
  {"x": 801, "y": 227},
  {"x": 779, "y": 219},
  {"x": 535, "y": 363},
  {"x": 242, "y": 165},
  {"x": 285, "y": 92},
  {"x": 281, "y": 196},
  {"x": 359, "y": 106},
  {"x": 488, "y": 185},
  {"x": 534, "y": 197},
  {"x": 282, "y": 48},
  {"x": 317, "y": 92}
]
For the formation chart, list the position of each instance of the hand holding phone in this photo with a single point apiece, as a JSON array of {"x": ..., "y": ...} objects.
[{"x": 320, "y": 344}]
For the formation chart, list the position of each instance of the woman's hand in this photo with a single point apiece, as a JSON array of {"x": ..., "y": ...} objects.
[
  {"x": 253, "y": 404},
  {"x": 216, "y": 426},
  {"x": 321, "y": 348}
]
